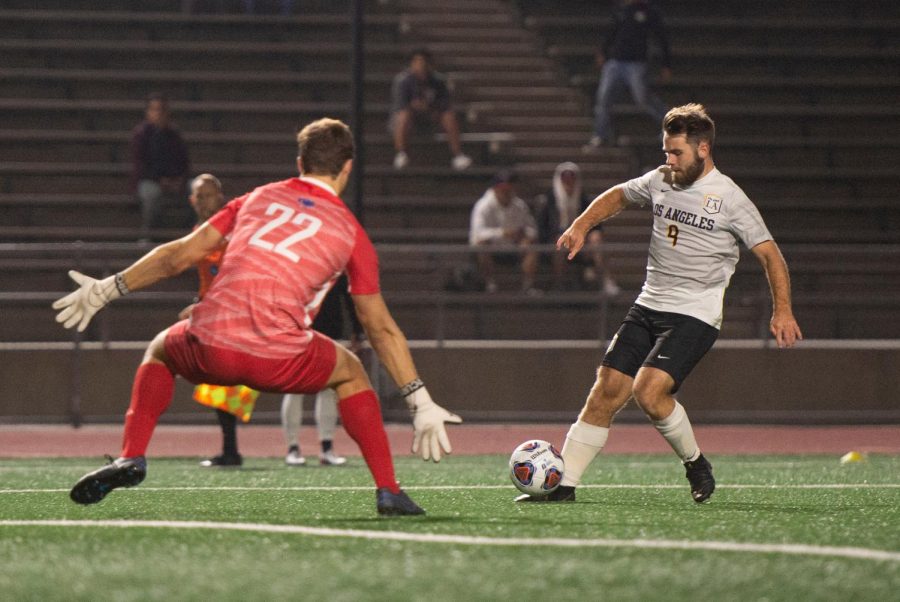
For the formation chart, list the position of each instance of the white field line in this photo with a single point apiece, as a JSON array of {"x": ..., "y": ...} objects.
[
  {"x": 29, "y": 464},
  {"x": 468, "y": 487},
  {"x": 659, "y": 544}
]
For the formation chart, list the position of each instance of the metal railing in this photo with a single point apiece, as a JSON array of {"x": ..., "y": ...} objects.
[
  {"x": 441, "y": 278},
  {"x": 430, "y": 263}
]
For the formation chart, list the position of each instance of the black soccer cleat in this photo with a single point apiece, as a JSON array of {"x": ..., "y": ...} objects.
[
  {"x": 396, "y": 504},
  {"x": 223, "y": 461},
  {"x": 563, "y": 493},
  {"x": 699, "y": 473},
  {"x": 122, "y": 472}
]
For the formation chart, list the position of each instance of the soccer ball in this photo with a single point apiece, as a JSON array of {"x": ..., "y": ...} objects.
[{"x": 536, "y": 467}]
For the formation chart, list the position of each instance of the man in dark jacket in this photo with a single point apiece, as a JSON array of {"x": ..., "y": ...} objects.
[{"x": 623, "y": 60}]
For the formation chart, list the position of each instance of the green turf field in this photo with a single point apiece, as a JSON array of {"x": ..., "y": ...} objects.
[{"x": 778, "y": 528}]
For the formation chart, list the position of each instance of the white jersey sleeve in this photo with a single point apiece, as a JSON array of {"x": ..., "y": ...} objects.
[
  {"x": 745, "y": 222},
  {"x": 638, "y": 190}
]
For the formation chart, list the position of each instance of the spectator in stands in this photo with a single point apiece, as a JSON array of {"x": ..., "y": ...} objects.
[
  {"x": 419, "y": 95},
  {"x": 555, "y": 210},
  {"x": 623, "y": 60},
  {"x": 502, "y": 225},
  {"x": 329, "y": 322},
  {"x": 160, "y": 168}
]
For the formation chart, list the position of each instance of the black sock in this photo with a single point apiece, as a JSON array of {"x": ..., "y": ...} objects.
[
  {"x": 326, "y": 446},
  {"x": 295, "y": 448},
  {"x": 228, "y": 422}
]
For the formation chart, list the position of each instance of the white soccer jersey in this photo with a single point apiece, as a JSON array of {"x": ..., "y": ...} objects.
[{"x": 694, "y": 244}]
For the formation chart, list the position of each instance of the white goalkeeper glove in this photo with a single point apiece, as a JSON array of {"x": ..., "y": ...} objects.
[
  {"x": 429, "y": 433},
  {"x": 92, "y": 295}
]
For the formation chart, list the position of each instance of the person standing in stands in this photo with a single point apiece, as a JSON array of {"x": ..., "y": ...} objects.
[
  {"x": 160, "y": 169},
  {"x": 623, "y": 61}
]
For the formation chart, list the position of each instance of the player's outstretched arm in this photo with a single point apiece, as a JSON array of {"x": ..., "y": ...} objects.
[
  {"x": 603, "y": 207},
  {"x": 429, "y": 432},
  {"x": 164, "y": 261},
  {"x": 783, "y": 326}
]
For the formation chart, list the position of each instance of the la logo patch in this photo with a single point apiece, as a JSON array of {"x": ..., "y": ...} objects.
[{"x": 712, "y": 203}]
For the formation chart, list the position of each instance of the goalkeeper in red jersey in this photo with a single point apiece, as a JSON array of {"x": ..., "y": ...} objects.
[{"x": 289, "y": 242}]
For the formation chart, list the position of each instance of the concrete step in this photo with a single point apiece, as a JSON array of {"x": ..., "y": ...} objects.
[
  {"x": 439, "y": 31},
  {"x": 130, "y": 25},
  {"x": 30, "y": 145},
  {"x": 267, "y": 9}
]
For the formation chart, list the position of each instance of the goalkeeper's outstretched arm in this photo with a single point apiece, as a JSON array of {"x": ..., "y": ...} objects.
[
  {"x": 164, "y": 261},
  {"x": 171, "y": 258},
  {"x": 430, "y": 435}
]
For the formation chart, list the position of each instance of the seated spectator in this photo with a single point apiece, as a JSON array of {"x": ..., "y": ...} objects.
[
  {"x": 160, "y": 169},
  {"x": 555, "y": 211},
  {"x": 501, "y": 221},
  {"x": 419, "y": 96}
]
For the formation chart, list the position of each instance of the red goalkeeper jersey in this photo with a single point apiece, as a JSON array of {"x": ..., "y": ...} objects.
[{"x": 289, "y": 242}]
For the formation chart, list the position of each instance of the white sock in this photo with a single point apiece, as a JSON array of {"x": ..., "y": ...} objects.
[
  {"x": 291, "y": 416},
  {"x": 676, "y": 428},
  {"x": 326, "y": 414},
  {"x": 583, "y": 442}
]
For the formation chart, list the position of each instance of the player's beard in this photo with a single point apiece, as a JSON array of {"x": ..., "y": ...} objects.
[{"x": 687, "y": 176}]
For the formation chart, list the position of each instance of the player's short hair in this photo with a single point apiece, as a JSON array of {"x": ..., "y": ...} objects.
[
  {"x": 692, "y": 121},
  {"x": 324, "y": 146}
]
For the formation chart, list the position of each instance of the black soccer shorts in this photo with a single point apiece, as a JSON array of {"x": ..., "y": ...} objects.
[{"x": 673, "y": 343}]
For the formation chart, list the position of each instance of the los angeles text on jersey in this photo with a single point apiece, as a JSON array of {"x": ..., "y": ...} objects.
[{"x": 683, "y": 217}]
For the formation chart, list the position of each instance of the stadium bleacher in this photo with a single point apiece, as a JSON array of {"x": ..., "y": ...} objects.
[{"x": 799, "y": 104}]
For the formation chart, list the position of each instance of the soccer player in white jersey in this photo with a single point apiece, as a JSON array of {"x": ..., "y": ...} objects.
[{"x": 699, "y": 217}]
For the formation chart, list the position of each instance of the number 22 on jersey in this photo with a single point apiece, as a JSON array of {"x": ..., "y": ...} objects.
[{"x": 310, "y": 225}]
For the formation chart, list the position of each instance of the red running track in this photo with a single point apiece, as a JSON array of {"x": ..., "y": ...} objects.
[{"x": 32, "y": 441}]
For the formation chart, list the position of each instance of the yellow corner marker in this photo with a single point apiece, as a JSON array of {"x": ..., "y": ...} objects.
[{"x": 852, "y": 458}]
